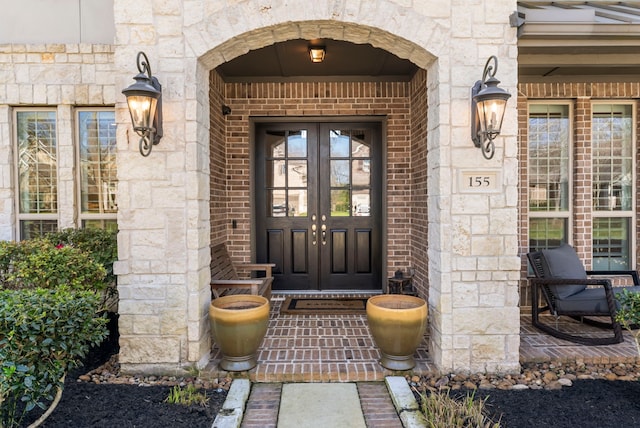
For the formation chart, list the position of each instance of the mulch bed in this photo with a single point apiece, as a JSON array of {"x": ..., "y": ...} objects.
[{"x": 85, "y": 404}]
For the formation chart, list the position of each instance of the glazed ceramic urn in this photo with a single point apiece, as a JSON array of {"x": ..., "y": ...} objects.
[
  {"x": 238, "y": 325},
  {"x": 397, "y": 323}
]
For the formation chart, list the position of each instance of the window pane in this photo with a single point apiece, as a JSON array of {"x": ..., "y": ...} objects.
[
  {"x": 30, "y": 229},
  {"x": 275, "y": 144},
  {"x": 339, "y": 143},
  {"x": 98, "y": 173},
  {"x": 360, "y": 201},
  {"x": 297, "y": 144},
  {"x": 549, "y": 169},
  {"x": 361, "y": 144},
  {"x": 611, "y": 241},
  {"x": 339, "y": 173},
  {"x": 360, "y": 172},
  {"x": 298, "y": 202},
  {"x": 276, "y": 173},
  {"x": 547, "y": 233},
  {"x": 111, "y": 225},
  {"x": 277, "y": 200},
  {"x": 37, "y": 162},
  {"x": 297, "y": 173},
  {"x": 612, "y": 134},
  {"x": 339, "y": 203}
]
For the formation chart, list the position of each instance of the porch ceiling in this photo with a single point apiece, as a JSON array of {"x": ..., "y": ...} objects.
[{"x": 289, "y": 61}]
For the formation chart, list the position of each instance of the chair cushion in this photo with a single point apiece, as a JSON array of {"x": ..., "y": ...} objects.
[
  {"x": 591, "y": 300},
  {"x": 563, "y": 262}
]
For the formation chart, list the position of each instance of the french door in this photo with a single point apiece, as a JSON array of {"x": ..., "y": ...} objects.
[{"x": 318, "y": 204}]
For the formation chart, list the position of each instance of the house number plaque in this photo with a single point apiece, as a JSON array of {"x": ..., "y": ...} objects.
[{"x": 478, "y": 181}]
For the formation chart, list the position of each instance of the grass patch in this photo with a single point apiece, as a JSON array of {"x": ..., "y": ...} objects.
[
  {"x": 188, "y": 396},
  {"x": 444, "y": 411}
]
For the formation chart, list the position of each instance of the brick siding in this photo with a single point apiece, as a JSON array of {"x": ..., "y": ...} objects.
[{"x": 580, "y": 96}]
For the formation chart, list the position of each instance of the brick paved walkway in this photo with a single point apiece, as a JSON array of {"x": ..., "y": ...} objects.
[{"x": 264, "y": 401}]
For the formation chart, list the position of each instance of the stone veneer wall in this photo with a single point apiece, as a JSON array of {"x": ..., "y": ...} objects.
[
  {"x": 58, "y": 76},
  {"x": 580, "y": 97}
]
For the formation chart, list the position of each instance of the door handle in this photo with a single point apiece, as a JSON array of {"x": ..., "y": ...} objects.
[
  {"x": 324, "y": 234},
  {"x": 313, "y": 234}
]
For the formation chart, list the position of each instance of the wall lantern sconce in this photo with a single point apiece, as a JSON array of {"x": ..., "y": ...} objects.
[
  {"x": 144, "y": 98},
  {"x": 316, "y": 53},
  {"x": 488, "y": 104}
]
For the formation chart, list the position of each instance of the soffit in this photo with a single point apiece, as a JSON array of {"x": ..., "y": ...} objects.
[{"x": 578, "y": 40}]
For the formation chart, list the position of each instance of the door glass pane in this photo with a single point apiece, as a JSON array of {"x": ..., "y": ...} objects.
[
  {"x": 298, "y": 202},
  {"x": 340, "y": 203},
  {"x": 275, "y": 141},
  {"x": 297, "y": 147},
  {"x": 277, "y": 203},
  {"x": 98, "y": 174},
  {"x": 360, "y": 144},
  {"x": 37, "y": 162},
  {"x": 297, "y": 176},
  {"x": 360, "y": 172},
  {"x": 611, "y": 244},
  {"x": 612, "y": 140},
  {"x": 339, "y": 173},
  {"x": 361, "y": 203},
  {"x": 276, "y": 173},
  {"x": 286, "y": 173},
  {"x": 339, "y": 144},
  {"x": 549, "y": 169}
]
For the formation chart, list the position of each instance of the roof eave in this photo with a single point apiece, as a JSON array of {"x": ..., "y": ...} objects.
[{"x": 561, "y": 33}]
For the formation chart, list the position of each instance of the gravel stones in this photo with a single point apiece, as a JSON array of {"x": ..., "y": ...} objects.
[
  {"x": 548, "y": 376},
  {"x": 109, "y": 372}
]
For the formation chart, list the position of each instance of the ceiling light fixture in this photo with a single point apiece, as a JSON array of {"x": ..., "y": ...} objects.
[{"x": 316, "y": 53}]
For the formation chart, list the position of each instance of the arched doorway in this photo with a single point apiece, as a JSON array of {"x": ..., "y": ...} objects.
[{"x": 368, "y": 207}]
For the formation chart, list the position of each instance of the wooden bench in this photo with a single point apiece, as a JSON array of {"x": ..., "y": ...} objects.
[{"x": 225, "y": 280}]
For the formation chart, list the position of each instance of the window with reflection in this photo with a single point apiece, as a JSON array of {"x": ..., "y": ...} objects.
[
  {"x": 37, "y": 157},
  {"x": 350, "y": 168},
  {"x": 98, "y": 172},
  {"x": 549, "y": 174},
  {"x": 612, "y": 185},
  {"x": 286, "y": 173}
]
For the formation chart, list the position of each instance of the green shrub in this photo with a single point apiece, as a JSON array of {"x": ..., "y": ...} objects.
[
  {"x": 43, "y": 333},
  {"x": 628, "y": 315},
  {"x": 100, "y": 244},
  {"x": 40, "y": 264}
]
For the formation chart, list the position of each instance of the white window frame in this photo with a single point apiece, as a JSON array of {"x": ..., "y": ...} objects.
[
  {"x": 633, "y": 212},
  {"x": 81, "y": 217},
  {"x": 20, "y": 217},
  {"x": 568, "y": 214}
]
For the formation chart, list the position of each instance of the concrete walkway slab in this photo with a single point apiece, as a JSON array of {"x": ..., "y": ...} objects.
[{"x": 320, "y": 405}]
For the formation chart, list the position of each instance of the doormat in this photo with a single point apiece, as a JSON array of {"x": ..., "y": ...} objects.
[{"x": 324, "y": 306}]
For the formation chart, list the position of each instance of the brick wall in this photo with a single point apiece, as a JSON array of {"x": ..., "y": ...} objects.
[
  {"x": 580, "y": 96},
  {"x": 419, "y": 219},
  {"x": 217, "y": 178},
  {"x": 405, "y": 156}
]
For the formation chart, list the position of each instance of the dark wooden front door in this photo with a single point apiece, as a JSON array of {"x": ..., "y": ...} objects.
[{"x": 318, "y": 204}]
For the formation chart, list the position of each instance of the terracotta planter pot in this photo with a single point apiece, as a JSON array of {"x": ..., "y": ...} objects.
[
  {"x": 397, "y": 323},
  {"x": 238, "y": 325}
]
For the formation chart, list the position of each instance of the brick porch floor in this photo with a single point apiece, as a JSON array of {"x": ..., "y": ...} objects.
[{"x": 338, "y": 348}]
